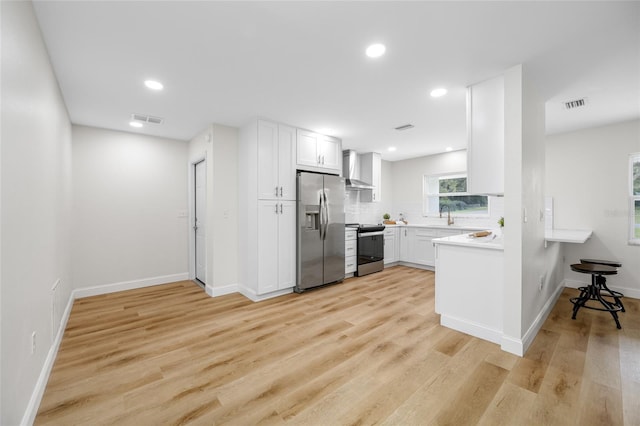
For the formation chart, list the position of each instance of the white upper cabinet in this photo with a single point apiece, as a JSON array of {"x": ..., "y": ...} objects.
[
  {"x": 485, "y": 129},
  {"x": 316, "y": 152},
  {"x": 371, "y": 172},
  {"x": 276, "y": 167}
]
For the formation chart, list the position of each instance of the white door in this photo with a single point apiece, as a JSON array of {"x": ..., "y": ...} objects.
[
  {"x": 268, "y": 186},
  {"x": 199, "y": 224}
]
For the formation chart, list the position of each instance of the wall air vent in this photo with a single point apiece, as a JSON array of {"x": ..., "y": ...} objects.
[
  {"x": 143, "y": 118},
  {"x": 405, "y": 127},
  {"x": 576, "y": 103}
]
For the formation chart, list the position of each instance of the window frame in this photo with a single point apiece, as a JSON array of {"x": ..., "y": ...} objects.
[
  {"x": 426, "y": 195},
  {"x": 633, "y": 199}
]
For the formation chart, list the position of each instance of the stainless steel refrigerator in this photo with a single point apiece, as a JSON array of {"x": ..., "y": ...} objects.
[{"x": 320, "y": 234}]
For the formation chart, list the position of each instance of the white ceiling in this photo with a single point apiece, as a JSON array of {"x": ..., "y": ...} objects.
[{"x": 303, "y": 63}]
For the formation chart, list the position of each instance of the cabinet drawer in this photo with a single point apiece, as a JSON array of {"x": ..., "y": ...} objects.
[
  {"x": 432, "y": 233},
  {"x": 350, "y": 248},
  {"x": 350, "y": 235},
  {"x": 448, "y": 232},
  {"x": 350, "y": 264}
]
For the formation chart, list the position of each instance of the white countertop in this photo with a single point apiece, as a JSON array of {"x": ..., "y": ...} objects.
[
  {"x": 492, "y": 242},
  {"x": 568, "y": 235},
  {"x": 453, "y": 227}
]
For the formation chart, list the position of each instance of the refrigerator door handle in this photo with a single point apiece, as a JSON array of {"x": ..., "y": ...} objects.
[
  {"x": 321, "y": 213},
  {"x": 326, "y": 216}
]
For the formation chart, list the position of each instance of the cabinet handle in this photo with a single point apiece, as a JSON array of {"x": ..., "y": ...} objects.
[
  {"x": 323, "y": 159},
  {"x": 280, "y": 208},
  {"x": 319, "y": 160},
  {"x": 276, "y": 208},
  {"x": 281, "y": 191},
  {"x": 276, "y": 191}
]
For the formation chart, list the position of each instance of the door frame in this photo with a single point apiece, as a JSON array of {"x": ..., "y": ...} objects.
[{"x": 192, "y": 218}]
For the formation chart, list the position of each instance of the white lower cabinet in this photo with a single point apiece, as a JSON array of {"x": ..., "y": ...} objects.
[
  {"x": 416, "y": 244},
  {"x": 276, "y": 241},
  {"x": 391, "y": 246},
  {"x": 350, "y": 251}
]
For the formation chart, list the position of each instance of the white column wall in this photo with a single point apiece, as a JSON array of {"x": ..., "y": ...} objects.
[
  {"x": 218, "y": 145},
  {"x": 35, "y": 212}
]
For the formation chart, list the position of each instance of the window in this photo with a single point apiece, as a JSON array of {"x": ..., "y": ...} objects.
[
  {"x": 634, "y": 198},
  {"x": 450, "y": 190}
]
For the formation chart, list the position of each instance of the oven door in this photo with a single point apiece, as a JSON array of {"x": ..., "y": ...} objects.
[{"x": 370, "y": 247}]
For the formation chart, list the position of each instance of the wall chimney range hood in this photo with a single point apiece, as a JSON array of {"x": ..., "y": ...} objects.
[{"x": 351, "y": 171}]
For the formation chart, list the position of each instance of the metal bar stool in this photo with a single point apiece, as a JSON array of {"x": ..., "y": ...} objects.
[
  {"x": 615, "y": 294},
  {"x": 592, "y": 291}
]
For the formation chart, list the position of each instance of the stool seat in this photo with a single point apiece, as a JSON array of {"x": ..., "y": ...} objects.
[
  {"x": 592, "y": 292},
  {"x": 602, "y": 262},
  {"x": 594, "y": 269}
]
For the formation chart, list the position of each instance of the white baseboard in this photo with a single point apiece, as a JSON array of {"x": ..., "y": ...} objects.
[
  {"x": 41, "y": 384},
  {"x": 628, "y": 292},
  {"x": 532, "y": 332},
  {"x": 472, "y": 328},
  {"x": 254, "y": 297},
  {"x": 79, "y": 293},
  {"x": 221, "y": 291}
]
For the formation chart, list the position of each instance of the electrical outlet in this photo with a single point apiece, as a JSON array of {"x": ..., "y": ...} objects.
[{"x": 33, "y": 343}]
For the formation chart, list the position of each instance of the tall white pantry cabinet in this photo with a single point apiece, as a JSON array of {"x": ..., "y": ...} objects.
[{"x": 267, "y": 209}]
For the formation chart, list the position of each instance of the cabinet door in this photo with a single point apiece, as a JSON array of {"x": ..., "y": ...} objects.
[
  {"x": 267, "y": 239},
  {"x": 423, "y": 251},
  {"x": 267, "y": 160},
  {"x": 371, "y": 172},
  {"x": 485, "y": 152},
  {"x": 307, "y": 148},
  {"x": 286, "y": 244},
  {"x": 286, "y": 162},
  {"x": 331, "y": 153},
  {"x": 390, "y": 247},
  {"x": 404, "y": 244}
]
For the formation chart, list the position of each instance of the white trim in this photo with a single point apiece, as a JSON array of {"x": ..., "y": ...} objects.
[
  {"x": 472, "y": 328},
  {"x": 41, "y": 384},
  {"x": 254, "y": 297},
  {"x": 129, "y": 285},
  {"x": 512, "y": 345},
  {"x": 628, "y": 292},
  {"x": 221, "y": 291},
  {"x": 532, "y": 332}
]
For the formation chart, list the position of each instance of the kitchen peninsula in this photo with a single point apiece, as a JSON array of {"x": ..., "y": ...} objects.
[{"x": 469, "y": 284}]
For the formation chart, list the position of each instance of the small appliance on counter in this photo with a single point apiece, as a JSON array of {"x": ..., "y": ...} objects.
[{"x": 370, "y": 249}]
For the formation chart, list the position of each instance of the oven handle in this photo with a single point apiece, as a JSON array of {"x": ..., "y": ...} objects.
[{"x": 369, "y": 234}]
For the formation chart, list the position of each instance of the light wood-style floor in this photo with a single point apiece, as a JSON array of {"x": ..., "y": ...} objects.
[{"x": 367, "y": 351}]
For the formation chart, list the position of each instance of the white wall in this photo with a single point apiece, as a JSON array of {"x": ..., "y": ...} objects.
[
  {"x": 406, "y": 189},
  {"x": 36, "y": 202},
  {"x": 367, "y": 212},
  {"x": 526, "y": 258},
  {"x": 587, "y": 176},
  {"x": 218, "y": 145},
  {"x": 130, "y": 192}
]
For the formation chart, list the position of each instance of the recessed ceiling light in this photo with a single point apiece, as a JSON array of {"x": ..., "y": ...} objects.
[
  {"x": 135, "y": 124},
  {"x": 391, "y": 148},
  {"x": 436, "y": 93},
  {"x": 449, "y": 149},
  {"x": 376, "y": 50},
  {"x": 153, "y": 85}
]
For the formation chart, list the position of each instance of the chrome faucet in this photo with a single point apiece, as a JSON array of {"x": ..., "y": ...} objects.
[{"x": 449, "y": 218}]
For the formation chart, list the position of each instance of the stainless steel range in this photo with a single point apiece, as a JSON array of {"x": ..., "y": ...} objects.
[{"x": 370, "y": 249}]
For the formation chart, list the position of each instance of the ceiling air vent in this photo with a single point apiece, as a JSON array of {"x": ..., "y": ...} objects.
[
  {"x": 576, "y": 103},
  {"x": 143, "y": 118},
  {"x": 405, "y": 127}
]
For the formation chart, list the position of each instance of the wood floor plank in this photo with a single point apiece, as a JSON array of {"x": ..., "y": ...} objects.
[{"x": 367, "y": 351}]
